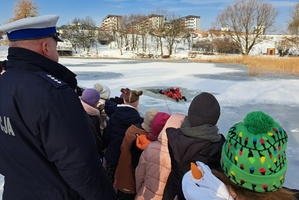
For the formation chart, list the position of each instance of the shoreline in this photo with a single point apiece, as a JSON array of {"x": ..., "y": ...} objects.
[{"x": 255, "y": 64}]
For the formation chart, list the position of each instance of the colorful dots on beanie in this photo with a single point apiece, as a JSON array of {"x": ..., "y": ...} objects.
[{"x": 254, "y": 154}]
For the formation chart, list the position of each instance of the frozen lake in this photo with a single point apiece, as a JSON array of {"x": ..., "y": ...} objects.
[
  {"x": 282, "y": 109},
  {"x": 236, "y": 90}
]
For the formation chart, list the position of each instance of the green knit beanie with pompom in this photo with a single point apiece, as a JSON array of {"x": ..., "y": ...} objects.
[{"x": 254, "y": 154}]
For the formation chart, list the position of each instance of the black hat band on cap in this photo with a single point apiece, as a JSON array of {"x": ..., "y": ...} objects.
[
  {"x": 33, "y": 34},
  {"x": 56, "y": 37}
]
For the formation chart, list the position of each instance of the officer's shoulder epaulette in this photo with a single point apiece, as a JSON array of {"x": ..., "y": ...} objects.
[{"x": 52, "y": 79}]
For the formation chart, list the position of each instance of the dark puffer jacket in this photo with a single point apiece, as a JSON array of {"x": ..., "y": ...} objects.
[
  {"x": 183, "y": 150},
  {"x": 123, "y": 117}
]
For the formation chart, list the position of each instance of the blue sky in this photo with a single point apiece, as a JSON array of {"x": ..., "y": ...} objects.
[{"x": 98, "y": 9}]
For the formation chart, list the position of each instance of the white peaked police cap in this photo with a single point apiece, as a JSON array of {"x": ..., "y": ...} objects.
[{"x": 32, "y": 28}]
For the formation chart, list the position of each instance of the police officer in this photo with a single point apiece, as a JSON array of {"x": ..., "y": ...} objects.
[{"x": 47, "y": 148}]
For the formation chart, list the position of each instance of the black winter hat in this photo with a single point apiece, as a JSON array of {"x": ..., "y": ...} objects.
[{"x": 204, "y": 109}]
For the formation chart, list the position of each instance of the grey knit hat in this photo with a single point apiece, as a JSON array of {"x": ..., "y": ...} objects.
[
  {"x": 204, "y": 109},
  {"x": 148, "y": 119}
]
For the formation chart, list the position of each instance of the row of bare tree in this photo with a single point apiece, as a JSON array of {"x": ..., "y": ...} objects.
[
  {"x": 83, "y": 32},
  {"x": 245, "y": 21}
]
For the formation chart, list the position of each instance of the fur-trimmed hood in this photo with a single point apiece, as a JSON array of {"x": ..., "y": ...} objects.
[{"x": 90, "y": 110}]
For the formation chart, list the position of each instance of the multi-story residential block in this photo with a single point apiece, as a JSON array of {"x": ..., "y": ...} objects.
[
  {"x": 155, "y": 21},
  {"x": 143, "y": 24},
  {"x": 192, "y": 22},
  {"x": 111, "y": 23},
  {"x": 149, "y": 22}
]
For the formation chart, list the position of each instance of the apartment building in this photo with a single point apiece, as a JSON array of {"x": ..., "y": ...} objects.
[
  {"x": 111, "y": 23},
  {"x": 155, "y": 21},
  {"x": 150, "y": 22},
  {"x": 192, "y": 22}
]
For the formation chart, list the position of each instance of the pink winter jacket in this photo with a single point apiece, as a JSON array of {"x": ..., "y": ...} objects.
[{"x": 154, "y": 164}]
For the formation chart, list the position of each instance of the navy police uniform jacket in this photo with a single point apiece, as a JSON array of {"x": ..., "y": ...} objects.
[{"x": 47, "y": 148}]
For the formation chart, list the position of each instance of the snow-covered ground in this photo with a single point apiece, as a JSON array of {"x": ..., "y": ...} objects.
[{"x": 237, "y": 91}]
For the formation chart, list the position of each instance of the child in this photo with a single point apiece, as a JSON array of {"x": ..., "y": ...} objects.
[
  {"x": 197, "y": 139},
  {"x": 111, "y": 104},
  {"x": 122, "y": 118},
  {"x": 124, "y": 180},
  {"x": 89, "y": 99},
  {"x": 253, "y": 161},
  {"x": 154, "y": 164},
  {"x": 104, "y": 92}
]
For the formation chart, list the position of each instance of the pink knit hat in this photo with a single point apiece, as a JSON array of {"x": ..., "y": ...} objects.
[{"x": 157, "y": 125}]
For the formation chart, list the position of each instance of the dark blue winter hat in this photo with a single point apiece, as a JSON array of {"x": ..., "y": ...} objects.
[{"x": 90, "y": 96}]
